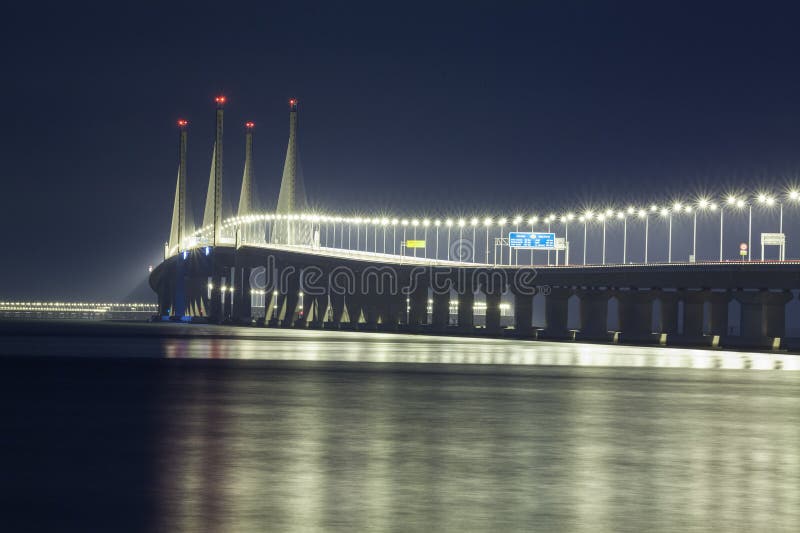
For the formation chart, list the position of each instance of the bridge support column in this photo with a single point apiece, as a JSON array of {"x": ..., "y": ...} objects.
[
  {"x": 493, "y": 298},
  {"x": 556, "y": 312},
  {"x": 307, "y": 310},
  {"x": 669, "y": 312},
  {"x": 693, "y": 305},
  {"x": 635, "y": 308},
  {"x": 163, "y": 297},
  {"x": 215, "y": 301},
  {"x": 395, "y": 310},
  {"x": 355, "y": 305},
  {"x": 197, "y": 295},
  {"x": 242, "y": 301},
  {"x": 320, "y": 311},
  {"x": 178, "y": 308},
  {"x": 594, "y": 313},
  {"x": 466, "y": 310},
  {"x": 372, "y": 306},
  {"x": 287, "y": 303},
  {"x": 418, "y": 303},
  {"x": 337, "y": 309},
  {"x": 440, "y": 314},
  {"x": 523, "y": 314},
  {"x": 763, "y": 314},
  {"x": 719, "y": 313}
]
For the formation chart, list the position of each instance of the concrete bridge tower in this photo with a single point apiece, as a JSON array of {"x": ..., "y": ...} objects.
[
  {"x": 212, "y": 217},
  {"x": 180, "y": 228},
  {"x": 292, "y": 199},
  {"x": 246, "y": 197}
]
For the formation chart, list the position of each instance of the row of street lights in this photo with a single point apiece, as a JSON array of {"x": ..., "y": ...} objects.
[{"x": 701, "y": 205}]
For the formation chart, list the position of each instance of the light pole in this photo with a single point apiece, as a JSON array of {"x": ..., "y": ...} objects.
[
  {"x": 533, "y": 220},
  {"x": 749, "y": 231},
  {"x": 403, "y": 247},
  {"x": 602, "y": 218},
  {"x": 733, "y": 202},
  {"x": 549, "y": 221},
  {"x": 436, "y": 224},
  {"x": 374, "y": 223},
  {"x": 425, "y": 223},
  {"x": 449, "y": 224},
  {"x": 769, "y": 201},
  {"x": 414, "y": 224},
  {"x": 793, "y": 196},
  {"x": 585, "y": 219},
  {"x": 629, "y": 212},
  {"x": 566, "y": 219},
  {"x": 461, "y": 224},
  {"x": 738, "y": 203},
  {"x": 474, "y": 223},
  {"x": 501, "y": 223},
  {"x": 487, "y": 223},
  {"x": 395, "y": 222},
  {"x": 621, "y": 216},
  {"x": 666, "y": 213},
  {"x": 643, "y": 214},
  {"x": 384, "y": 223}
]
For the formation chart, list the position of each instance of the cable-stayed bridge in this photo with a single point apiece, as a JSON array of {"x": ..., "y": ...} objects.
[{"x": 425, "y": 273}]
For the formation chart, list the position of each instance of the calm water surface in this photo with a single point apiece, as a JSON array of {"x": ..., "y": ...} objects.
[{"x": 183, "y": 428}]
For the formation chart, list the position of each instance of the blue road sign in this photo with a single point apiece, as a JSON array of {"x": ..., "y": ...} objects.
[{"x": 527, "y": 239}]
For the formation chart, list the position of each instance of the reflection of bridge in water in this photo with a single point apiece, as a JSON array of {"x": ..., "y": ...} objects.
[{"x": 294, "y": 267}]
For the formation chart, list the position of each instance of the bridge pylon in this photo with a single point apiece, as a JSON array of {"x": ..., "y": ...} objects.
[
  {"x": 212, "y": 217},
  {"x": 292, "y": 198},
  {"x": 179, "y": 228}
]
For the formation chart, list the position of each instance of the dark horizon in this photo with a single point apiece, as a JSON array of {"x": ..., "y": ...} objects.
[{"x": 489, "y": 110}]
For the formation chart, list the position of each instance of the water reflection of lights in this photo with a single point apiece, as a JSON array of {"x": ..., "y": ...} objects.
[{"x": 388, "y": 348}]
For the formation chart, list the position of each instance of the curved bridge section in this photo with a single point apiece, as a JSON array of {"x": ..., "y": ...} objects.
[{"x": 296, "y": 286}]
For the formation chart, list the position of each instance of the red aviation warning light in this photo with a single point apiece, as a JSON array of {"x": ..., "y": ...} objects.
[
  {"x": 182, "y": 123},
  {"x": 293, "y": 104},
  {"x": 249, "y": 125},
  {"x": 220, "y": 100}
]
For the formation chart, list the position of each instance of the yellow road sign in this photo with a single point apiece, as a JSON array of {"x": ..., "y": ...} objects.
[{"x": 415, "y": 244}]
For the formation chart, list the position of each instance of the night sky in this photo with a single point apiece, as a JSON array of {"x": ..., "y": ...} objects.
[{"x": 417, "y": 109}]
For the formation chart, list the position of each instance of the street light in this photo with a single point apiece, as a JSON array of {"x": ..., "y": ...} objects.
[
  {"x": 769, "y": 201},
  {"x": 643, "y": 214},
  {"x": 533, "y": 220},
  {"x": 793, "y": 196},
  {"x": 474, "y": 223},
  {"x": 739, "y": 203},
  {"x": 375, "y": 223},
  {"x": 395, "y": 222},
  {"x": 461, "y": 224},
  {"x": 425, "y": 223},
  {"x": 702, "y": 205},
  {"x": 602, "y": 218},
  {"x": 585, "y": 219},
  {"x": 502, "y": 222},
  {"x": 449, "y": 224},
  {"x": 665, "y": 213},
  {"x": 404, "y": 223},
  {"x": 437, "y": 223},
  {"x": 487, "y": 223},
  {"x": 517, "y": 221}
]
